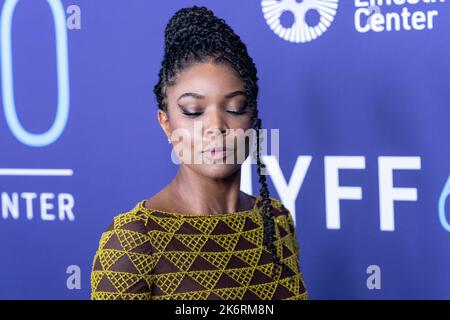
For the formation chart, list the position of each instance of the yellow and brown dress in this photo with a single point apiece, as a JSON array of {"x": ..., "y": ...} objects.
[{"x": 153, "y": 254}]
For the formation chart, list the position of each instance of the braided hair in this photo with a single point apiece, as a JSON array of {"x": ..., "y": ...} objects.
[{"x": 195, "y": 34}]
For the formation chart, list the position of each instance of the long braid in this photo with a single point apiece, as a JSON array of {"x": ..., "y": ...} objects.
[
  {"x": 195, "y": 34},
  {"x": 268, "y": 218}
]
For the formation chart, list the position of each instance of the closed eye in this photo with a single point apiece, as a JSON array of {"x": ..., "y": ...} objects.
[
  {"x": 240, "y": 110},
  {"x": 189, "y": 114},
  {"x": 237, "y": 112},
  {"x": 194, "y": 114}
]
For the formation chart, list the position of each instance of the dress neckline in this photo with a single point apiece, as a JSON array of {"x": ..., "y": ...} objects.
[{"x": 257, "y": 198}]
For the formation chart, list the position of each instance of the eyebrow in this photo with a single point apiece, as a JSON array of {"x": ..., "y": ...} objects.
[
  {"x": 199, "y": 96},
  {"x": 235, "y": 93}
]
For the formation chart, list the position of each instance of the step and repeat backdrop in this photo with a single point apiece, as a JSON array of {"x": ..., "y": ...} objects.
[{"x": 358, "y": 89}]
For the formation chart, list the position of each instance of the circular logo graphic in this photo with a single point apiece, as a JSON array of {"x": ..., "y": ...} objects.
[{"x": 299, "y": 20}]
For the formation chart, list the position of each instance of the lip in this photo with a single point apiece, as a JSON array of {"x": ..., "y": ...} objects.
[
  {"x": 216, "y": 149},
  {"x": 217, "y": 153}
]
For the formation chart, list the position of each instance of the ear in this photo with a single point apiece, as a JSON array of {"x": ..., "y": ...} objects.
[{"x": 163, "y": 119}]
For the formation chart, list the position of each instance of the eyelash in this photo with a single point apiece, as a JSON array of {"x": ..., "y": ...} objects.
[
  {"x": 195, "y": 114},
  {"x": 237, "y": 112}
]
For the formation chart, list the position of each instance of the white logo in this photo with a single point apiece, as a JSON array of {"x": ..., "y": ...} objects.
[{"x": 311, "y": 18}]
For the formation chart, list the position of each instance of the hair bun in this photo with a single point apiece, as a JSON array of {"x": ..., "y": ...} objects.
[
  {"x": 195, "y": 34},
  {"x": 190, "y": 24}
]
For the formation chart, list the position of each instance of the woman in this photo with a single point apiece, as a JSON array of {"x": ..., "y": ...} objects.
[{"x": 201, "y": 237}]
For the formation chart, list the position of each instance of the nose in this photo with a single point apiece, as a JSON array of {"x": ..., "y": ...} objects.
[{"x": 215, "y": 124}]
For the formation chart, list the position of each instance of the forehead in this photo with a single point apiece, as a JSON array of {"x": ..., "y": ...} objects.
[{"x": 209, "y": 79}]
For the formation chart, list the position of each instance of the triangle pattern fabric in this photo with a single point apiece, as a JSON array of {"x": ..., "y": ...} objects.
[{"x": 150, "y": 254}]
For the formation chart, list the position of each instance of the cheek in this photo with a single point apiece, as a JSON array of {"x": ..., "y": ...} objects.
[
  {"x": 243, "y": 122},
  {"x": 241, "y": 138},
  {"x": 187, "y": 136}
]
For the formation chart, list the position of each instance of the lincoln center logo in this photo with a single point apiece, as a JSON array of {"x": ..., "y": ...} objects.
[{"x": 299, "y": 20}]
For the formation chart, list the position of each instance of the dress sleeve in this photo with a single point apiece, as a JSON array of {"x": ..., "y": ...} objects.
[
  {"x": 122, "y": 266},
  {"x": 287, "y": 223},
  {"x": 293, "y": 232}
]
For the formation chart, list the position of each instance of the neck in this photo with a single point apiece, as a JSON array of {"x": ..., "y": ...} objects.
[{"x": 207, "y": 195}]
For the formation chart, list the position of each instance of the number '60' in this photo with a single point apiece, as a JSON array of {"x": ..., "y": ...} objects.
[{"x": 62, "y": 67}]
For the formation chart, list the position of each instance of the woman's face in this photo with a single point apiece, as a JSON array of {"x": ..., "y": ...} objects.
[{"x": 207, "y": 108}]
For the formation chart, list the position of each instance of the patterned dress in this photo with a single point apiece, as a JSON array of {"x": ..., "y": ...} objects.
[{"x": 153, "y": 254}]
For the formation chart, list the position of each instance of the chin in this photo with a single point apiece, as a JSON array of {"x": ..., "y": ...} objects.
[{"x": 217, "y": 171}]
